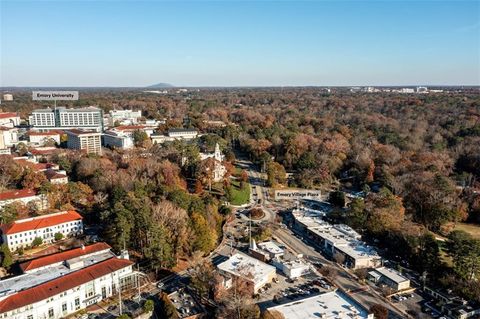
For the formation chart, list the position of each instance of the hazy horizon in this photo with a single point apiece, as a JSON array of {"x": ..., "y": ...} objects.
[{"x": 239, "y": 44}]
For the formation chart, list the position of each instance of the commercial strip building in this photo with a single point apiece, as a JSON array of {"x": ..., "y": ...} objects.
[
  {"x": 88, "y": 118},
  {"x": 333, "y": 304},
  {"x": 265, "y": 251},
  {"x": 390, "y": 278},
  {"x": 290, "y": 265},
  {"x": 174, "y": 134},
  {"x": 24, "y": 196},
  {"x": 339, "y": 241},
  {"x": 61, "y": 284},
  {"x": 249, "y": 269},
  {"x": 21, "y": 233},
  {"x": 89, "y": 142}
]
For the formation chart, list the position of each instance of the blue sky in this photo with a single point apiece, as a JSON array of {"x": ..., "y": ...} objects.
[{"x": 239, "y": 43}]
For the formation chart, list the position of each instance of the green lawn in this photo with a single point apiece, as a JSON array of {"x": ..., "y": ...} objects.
[
  {"x": 240, "y": 196},
  {"x": 472, "y": 229},
  {"x": 443, "y": 254}
]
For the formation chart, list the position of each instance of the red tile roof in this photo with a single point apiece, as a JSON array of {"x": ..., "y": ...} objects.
[
  {"x": 75, "y": 131},
  {"x": 35, "y": 166},
  {"x": 54, "y": 175},
  {"x": 61, "y": 284},
  {"x": 44, "y": 151},
  {"x": 17, "y": 194},
  {"x": 49, "y": 133},
  {"x": 129, "y": 127},
  {"x": 7, "y": 115},
  {"x": 40, "y": 222},
  {"x": 62, "y": 256}
]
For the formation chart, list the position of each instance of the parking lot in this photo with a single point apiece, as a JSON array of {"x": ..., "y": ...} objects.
[
  {"x": 408, "y": 302},
  {"x": 286, "y": 290},
  {"x": 185, "y": 303}
]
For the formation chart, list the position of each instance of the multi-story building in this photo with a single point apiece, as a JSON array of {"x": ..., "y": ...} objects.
[
  {"x": 8, "y": 97},
  {"x": 123, "y": 117},
  {"x": 25, "y": 196},
  {"x": 58, "y": 285},
  {"x": 88, "y": 118},
  {"x": 21, "y": 233},
  {"x": 175, "y": 134},
  {"x": 87, "y": 141},
  {"x": 41, "y": 138},
  {"x": 8, "y": 137},
  {"x": 9, "y": 119},
  {"x": 117, "y": 139},
  {"x": 122, "y": 136}
]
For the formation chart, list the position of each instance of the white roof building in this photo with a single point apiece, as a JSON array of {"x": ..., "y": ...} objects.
[
  {"x": 124, "y": 117},
  {"x": 122, "y": 136},
  {"x": 389, "y": 277},
  {"x": 333, "y": 304},
  {"x": 174, "y": 134},
  {"x": 337, "y": 239},
  {"x": 250, "y": 269}
]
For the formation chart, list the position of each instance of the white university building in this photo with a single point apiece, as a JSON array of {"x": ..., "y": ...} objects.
[
  {"x": 21, "y": 233},
  {"x": 56, "y": 286},
  {"x": 88, "y": 118}
]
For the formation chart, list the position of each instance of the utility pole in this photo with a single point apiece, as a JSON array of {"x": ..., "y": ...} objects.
[
  {"x": 250, "y": 229},
  {"x": 119, "y": 296}
]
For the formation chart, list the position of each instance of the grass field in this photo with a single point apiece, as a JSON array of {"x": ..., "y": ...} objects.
[
  {"x": 240, "y": 196},
  {"x": 472, "y": 229}
]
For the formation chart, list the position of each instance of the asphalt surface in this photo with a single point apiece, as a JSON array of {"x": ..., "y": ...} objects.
[{"x": 363, "y": 293}]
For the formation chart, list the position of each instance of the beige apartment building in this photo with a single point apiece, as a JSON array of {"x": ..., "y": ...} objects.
[{"x": 87, "y": 141}]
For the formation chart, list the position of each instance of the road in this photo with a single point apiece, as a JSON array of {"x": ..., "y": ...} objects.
[{"x": 363, "y": 293}]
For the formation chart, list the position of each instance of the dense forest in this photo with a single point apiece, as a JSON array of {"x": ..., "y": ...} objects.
[{"x": 415, "y": 156}]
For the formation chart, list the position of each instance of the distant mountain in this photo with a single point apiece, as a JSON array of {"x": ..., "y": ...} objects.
[{"x": 160, "y": 86}]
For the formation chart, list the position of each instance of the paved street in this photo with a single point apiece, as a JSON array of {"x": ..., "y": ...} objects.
[{"x": 344, "y": 280}]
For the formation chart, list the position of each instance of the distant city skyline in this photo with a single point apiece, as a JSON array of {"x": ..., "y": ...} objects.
[{"x": 239, "y": 43}]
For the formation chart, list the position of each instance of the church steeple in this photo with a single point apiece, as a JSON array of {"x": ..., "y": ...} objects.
[{"x": 218, "y": 153}]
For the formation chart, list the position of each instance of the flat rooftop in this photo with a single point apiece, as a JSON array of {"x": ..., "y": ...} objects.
[
  {"x": 333, "y": 304},
  {"x": 11, "y": 285},
  {"x": 270, "y": 247},
  {"x": 343, "y": 237},
  {"x": 65, "y": 109},
  {"x": 242, "y": 265},
  {"x": 347, "y": 230},
  {"x": 359, "y": 250},
  {"x": 391, "y": 274}
]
